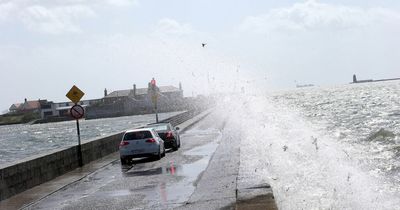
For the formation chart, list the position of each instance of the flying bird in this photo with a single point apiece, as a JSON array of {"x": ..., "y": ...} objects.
[{"x": 203, "y": 44}]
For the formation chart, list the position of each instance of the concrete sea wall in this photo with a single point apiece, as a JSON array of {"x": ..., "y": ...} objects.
[
  {"x": 27, "y": 173},
  {"x": 38, "y": 169}
]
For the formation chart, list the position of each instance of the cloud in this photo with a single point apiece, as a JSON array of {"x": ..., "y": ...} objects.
[
  {"x": 122, "y": 3},
  {"x": 6, "y": 9},
  {"x": 55, "y": 20},
  {"x": 171, "y": 26},
  {"x": 313, "y": 15},
  {"x": 55, "y": 16}
]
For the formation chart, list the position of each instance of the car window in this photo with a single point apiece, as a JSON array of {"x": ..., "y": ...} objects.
[
  {"x": 138, "y": 135},
  {"x": 155, "y": 133},
  {"x": 159, "y": 127}
]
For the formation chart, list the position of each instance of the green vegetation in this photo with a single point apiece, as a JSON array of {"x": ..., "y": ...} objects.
[{"x": 18, "y": 118}]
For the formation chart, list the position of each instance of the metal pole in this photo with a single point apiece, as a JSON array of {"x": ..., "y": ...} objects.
[
  {"x": 80, "y": 162},
  {"x": 156, "y": 110}
]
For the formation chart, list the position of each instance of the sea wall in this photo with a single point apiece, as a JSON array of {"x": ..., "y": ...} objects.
[{"x": 36, "y": 170}]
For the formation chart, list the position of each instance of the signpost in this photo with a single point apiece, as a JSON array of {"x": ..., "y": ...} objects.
[
  {"x": 154, "y": 96},
  {"x": 75, "y": 94},
  {"x": 77, "y": 112}
]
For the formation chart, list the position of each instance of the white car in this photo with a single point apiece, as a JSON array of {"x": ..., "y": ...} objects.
[{"x": 143, "y": 142}]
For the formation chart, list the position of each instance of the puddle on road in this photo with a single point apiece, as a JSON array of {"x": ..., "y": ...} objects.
[
  {"x": 206, "y": 150},
  {"x": 177, "y": 192},
  {"x": 186, "y": 170},
  {"x": 200, "y": 132}
]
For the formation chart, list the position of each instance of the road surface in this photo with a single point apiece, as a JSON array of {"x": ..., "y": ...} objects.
[{"x": 200, "y": 175}]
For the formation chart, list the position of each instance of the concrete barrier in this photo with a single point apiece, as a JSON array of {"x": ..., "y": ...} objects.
[
  {"x": 27, "y": 173},
  {"x": 38, "y": 169}
]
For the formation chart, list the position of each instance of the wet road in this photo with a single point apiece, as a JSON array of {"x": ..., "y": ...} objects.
[{"x": 183, "y": 179}]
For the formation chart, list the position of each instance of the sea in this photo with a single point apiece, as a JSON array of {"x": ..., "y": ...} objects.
[{"x": 335, "y": 147}]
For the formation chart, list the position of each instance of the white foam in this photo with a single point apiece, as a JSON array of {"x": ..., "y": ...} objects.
[{"x": 308, "y": 169}]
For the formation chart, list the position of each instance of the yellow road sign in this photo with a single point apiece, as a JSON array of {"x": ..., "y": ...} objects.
[{"x": 75, "y": 94}]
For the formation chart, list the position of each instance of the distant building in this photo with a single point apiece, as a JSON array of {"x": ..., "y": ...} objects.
[
  {"x": 61, "y": 109},
  {"x": 48, "y": 109},
  {"x": 137, "y": 101},
  {"x": 167, "y": 92},
  {"x": 371, "y": 80},
  {"x": 304, "y": 85},
  {"x": 45, "y": 108},
  {"x": 15, "y": 107},
  {"x": 117, "y": 103},
  {"x": 360, "y": 81},
  {"x": 26, "y": 106}
]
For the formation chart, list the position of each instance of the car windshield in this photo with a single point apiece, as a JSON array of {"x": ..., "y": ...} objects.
[{"x": 137, "y": 135}]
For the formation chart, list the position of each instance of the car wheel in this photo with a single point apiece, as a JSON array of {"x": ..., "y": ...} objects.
[
  {"x": 124, "y": 161},
  {"x": 179, "y": 145},
  {"x": 159, "y": 155},
  {"x": 163, "y": 154},
  {"x": 175, "y": 146}
]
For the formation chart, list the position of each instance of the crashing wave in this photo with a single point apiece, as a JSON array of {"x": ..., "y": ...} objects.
[
  {"x": 396, "y": 150},
  {"x": 382, "y": 134}
]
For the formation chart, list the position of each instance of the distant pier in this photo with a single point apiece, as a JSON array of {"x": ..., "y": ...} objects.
[{"x": 371, "y": 80}]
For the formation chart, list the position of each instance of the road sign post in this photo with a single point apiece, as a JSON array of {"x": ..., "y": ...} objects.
[
  {"x": 77, "y": 112},
  {"x": 80, "y": 160}
]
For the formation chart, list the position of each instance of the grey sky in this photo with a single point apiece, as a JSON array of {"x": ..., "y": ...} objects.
[{"x": 46, "y": 46}]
